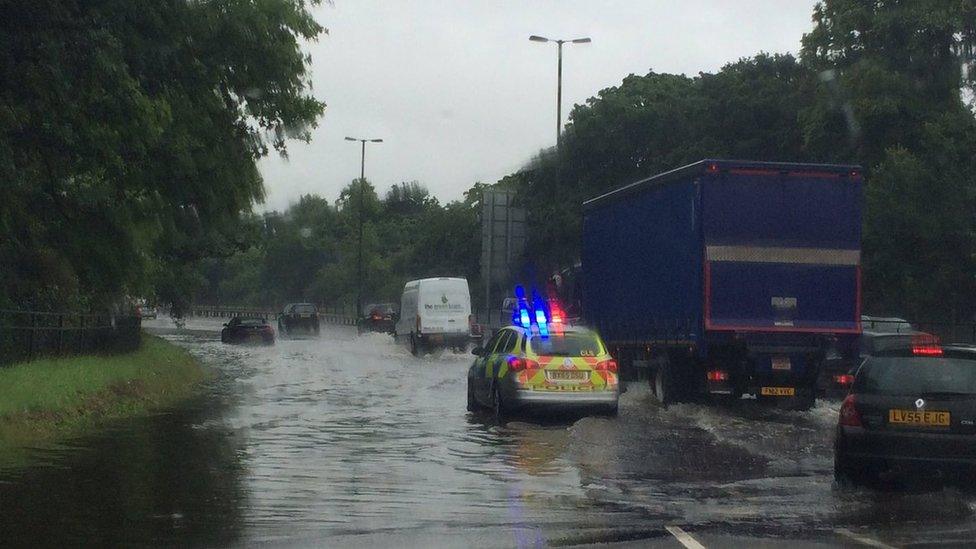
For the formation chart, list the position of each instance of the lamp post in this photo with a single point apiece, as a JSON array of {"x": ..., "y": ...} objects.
[
  {"x": 559, "y": 75},
  {"x": 362, "y": 207}
]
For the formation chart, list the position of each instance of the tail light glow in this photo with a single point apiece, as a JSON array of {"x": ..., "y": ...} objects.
[
  {"x": 717, "y": 375},
  {"x": 849, "y": 416},
  {"x": 926, "y": 350},
  {"x": 844, "y": 379},
  {"x": 607, "y": 365},
  {"x": 517, "y": 364}
]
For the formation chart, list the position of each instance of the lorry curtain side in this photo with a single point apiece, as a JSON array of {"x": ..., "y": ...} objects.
[{"x": 642, "y": 265}]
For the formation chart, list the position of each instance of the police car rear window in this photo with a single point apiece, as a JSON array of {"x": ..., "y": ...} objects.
[
  {"x": 916, "y": 376},
  {"x": 565, "y": 345},
  {"x": 304, "y": 308}
]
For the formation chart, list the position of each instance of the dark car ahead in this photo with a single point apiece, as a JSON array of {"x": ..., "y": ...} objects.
[
  {"x": 378, "y": 317},
  {"x": 879, "y": 335},
  {"x": 247, "y": 330},
  {"x": 911, "y": 414},
  {"x": 298, "y": 319}
]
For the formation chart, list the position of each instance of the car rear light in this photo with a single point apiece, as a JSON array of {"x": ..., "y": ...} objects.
[
  {"x": 926, "y": 350},
  {"x": 607, "y": 365},
  {"x": 844, "y": 379},
  {"x": 926, "y": 345},
  {"x": 517, "y": 364},
  {"x": 376, "y": 317},
  {"x": 849, "y": 416},
  {"x": 717, "y": 375},
  {"x": 418, "y": 323}
]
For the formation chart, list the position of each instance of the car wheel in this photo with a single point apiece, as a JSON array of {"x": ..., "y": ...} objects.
[
  {"x": 472, "y": 402},
  {"x": 844, "y": 475},
  {"x": 498, "y": 405}
]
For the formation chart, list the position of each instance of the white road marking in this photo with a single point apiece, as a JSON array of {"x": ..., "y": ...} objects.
[
  {"x": 864, "y": 540},
  {"x": 684, "y": 538}
]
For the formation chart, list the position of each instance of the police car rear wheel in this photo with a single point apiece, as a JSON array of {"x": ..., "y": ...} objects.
[
  {"x": 472, "y": 403},
  {"x": 498, "y": 405}
]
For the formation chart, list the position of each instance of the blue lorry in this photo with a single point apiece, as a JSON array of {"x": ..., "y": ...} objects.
[{"x": 724, "y": 278}]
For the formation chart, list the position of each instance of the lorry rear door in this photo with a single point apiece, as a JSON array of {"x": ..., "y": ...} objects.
[{"x": 782, "y": 250}]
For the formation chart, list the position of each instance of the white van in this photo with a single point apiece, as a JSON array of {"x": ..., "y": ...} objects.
[{"x": 434, "y": 312}]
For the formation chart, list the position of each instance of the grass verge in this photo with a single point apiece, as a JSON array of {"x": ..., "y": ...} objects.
[{"x": 44, "y": 401}]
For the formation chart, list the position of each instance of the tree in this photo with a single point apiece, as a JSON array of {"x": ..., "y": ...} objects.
[
  {"x": 129, "y": 134},
  {"x": 892, "y": 77}
]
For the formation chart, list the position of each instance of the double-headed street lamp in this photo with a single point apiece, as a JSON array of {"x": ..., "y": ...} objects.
[
  {"x": 362, "y": 207},
  {"x": 559, "y": 77}
]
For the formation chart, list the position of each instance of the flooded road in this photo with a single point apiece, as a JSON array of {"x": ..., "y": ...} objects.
[{"x": 348, "y": 440}]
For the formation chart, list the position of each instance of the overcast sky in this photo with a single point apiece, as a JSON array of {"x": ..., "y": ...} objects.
[{"x": 459, "y": 94}]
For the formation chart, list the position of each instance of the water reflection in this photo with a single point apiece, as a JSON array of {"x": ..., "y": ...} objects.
[{"x": 155, "y": 480}]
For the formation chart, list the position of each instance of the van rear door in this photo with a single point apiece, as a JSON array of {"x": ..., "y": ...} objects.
[{"x": 444, "y": 306}]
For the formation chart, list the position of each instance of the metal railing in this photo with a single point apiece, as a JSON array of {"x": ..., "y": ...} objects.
[
  {"x": 343, "y": 316},
  {"x": 27, "y": 335}
]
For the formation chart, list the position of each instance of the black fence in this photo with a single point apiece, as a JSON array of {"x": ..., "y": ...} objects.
[
  {"x": 27, "y": 335},
  {"x": 329, "y": 315}
]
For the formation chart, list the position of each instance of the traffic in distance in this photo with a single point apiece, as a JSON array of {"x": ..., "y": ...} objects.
[{"x": 711, "y": 282}]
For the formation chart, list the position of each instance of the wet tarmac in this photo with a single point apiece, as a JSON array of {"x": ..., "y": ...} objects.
[{"x": 348, "y": 440}]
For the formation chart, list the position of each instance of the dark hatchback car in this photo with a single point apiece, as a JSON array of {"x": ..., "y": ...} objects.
[
  {"x": 247, "y": 330},
  {"x": 298, "y": 319},
  {"x": 911, "y": 415},
  {"x": 378, "y": 317}
]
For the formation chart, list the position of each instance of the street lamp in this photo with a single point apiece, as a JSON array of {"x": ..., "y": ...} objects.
[
  {"x": 559, "y": 77},
  {"x": 362, "y": 207}
]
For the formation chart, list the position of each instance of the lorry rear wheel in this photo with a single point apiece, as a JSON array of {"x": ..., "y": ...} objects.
[
  {"x": 664, "y": 386},
  {"x": 414, "y": 348}
]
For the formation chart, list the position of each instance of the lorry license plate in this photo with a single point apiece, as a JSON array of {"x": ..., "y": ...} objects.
[
  {"x": 567, "y": 375},
  {"x": 778, "y": 391},
  {"x": 917, "y": 417}
]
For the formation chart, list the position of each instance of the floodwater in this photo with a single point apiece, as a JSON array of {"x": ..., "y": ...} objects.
[{"x": 349, "y": 440}]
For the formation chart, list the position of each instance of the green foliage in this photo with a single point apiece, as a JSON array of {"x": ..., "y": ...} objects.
[
  {"x": 45, "y": 400},
  {"x": 129, "y": 132},
  {"x": 653, "y": 123},
  {"x": 310, "y": 251}
]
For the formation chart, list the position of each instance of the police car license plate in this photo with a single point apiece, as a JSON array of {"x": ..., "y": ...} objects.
[
  {"x": 778, "y": 391},
  {"x": 567, "y": 375},
  {"x": 920, "y": 418},
  {"x": 306, "y": 315}
]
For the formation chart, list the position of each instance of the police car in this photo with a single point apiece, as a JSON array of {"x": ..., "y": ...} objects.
[{"x": 540, "y": 362}]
